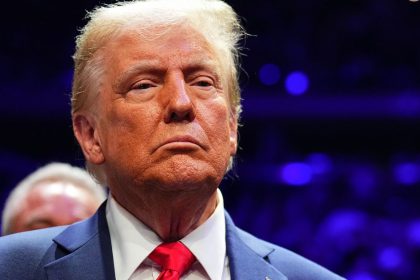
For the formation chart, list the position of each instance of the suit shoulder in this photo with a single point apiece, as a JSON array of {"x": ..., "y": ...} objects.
[
  {"x": 289, "y": 263},
  {"x": 30, "y": 241},
  {"x": 23, "y": 252}
]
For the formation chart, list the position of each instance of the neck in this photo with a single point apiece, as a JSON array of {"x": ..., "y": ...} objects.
[{"x": 171, "y": 215}]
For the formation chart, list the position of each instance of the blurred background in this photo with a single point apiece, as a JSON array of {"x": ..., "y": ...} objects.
[{"x": 329, "y": 159}]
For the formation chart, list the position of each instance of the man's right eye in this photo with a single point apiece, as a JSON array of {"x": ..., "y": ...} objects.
[{"x": 142, "y": 85}]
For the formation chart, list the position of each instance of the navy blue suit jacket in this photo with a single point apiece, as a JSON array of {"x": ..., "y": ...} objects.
[{"x": 83, "y": 251}]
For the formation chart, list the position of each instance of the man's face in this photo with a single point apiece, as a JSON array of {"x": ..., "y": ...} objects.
[
  {"x": 53, "y": 203},
  {"x": 162, "y": 117}
]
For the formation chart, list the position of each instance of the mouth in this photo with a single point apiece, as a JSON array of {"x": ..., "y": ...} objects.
[{"x": 183, "y": 142}]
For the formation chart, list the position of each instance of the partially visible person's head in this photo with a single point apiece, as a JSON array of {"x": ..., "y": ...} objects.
[
  {"x": 212, "y": 20},
  {"x": 56, "y": 194}
]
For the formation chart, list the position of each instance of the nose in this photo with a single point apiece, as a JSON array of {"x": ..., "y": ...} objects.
[{"x": 179, "y": 107}]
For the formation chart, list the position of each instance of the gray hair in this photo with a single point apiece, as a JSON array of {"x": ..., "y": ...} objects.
[
  {"x": 215, "y": 20},
  {"x": 50, "y": 172}
]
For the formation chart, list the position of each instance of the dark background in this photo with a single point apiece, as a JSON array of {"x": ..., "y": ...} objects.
[{"x": 328, "y": 166}]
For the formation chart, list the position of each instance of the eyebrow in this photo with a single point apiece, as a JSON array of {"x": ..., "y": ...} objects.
[
  {"x": 204, "y": 66},
  {"x": 143, "y": 66},
  {"x": 153, "y": 67}
]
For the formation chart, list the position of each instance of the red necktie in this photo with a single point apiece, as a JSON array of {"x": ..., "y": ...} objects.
[{"x": 174, "y": 258}]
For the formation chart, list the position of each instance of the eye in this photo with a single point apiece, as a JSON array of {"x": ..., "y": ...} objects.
[
  {"x": 203, "y": 82},
  {"x": 143, "y": 85}
]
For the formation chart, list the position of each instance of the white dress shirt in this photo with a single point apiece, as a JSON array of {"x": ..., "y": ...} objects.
[{"x": 132, "y": 241}]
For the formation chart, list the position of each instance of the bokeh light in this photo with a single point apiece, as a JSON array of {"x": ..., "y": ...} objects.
[
  {"x": 413, "y": 233},
  {"x": 363, "y": 180},
  {"x": 344, "y": 227},
  {"x": 390, "y": 258},
  {"x": 320, "y": 163},
  {"x": 407, "y": 173},
  {"x": 269, "y": 74},
  {"x": 297, "y": 83},
  {"x": 296, "y": 174}
]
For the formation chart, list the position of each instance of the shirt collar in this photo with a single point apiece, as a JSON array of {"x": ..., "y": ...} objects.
[
  {"x": 132, "y": 241},
  {"x": 208, "y": 242}
]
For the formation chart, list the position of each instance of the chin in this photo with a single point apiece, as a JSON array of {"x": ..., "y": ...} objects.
[{"x": 186, "y": 175}]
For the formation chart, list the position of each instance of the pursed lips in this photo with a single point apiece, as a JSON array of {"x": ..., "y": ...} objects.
[{"x": 181, "y": 139}]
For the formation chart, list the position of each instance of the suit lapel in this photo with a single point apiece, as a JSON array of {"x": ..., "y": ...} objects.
[
  {"x": 86, "y": 251},
  {"x": 247, "y": 261}
]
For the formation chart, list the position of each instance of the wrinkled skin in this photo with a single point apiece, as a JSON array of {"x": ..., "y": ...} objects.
[{"x": 161, "y": 128}]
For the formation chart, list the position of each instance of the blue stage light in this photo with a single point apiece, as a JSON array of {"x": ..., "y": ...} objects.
[
  {"x": 319, "y": 162},
  {"x": 364, "y": 180},
  {"x": 343, "y": 228},
  {"x": 269, "y": 74},
  {"x": 297, "y": 83},
  {"x": 413, "y": 233},
  {"x": 407, "y": 173},
  {"x": 296, "y": 174},
  {"x": 390, "y": 258}
]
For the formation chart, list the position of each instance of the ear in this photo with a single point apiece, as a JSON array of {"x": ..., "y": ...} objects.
[
  {"x": 233, "y": 135},
  {"x": 86, "y": 133}
]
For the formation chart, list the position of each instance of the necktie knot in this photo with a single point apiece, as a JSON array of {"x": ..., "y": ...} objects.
[{"x": 174, "y": 258}]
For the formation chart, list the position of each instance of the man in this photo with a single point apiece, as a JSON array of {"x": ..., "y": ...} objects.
[
  {"x": 55, "y": 194},
  {"x": 155, "y": 109}
]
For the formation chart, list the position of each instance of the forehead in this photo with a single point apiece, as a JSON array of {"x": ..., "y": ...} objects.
[{"x": 169, "y": 45}]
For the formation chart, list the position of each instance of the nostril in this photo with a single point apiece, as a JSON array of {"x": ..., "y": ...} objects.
[
  {"x": 174, "y": 117},
  {"x": 181, "y": 116}
]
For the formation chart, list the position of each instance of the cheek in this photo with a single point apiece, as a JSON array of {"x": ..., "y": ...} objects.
[
  {"x": 216, "y": 122},
  {"x": 128, "y": 129}
]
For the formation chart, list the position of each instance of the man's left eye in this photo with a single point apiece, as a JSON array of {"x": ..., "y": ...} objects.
[{"x": 203, "y": 84}]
